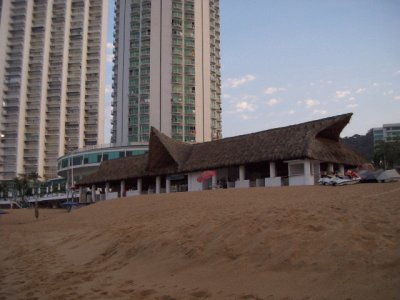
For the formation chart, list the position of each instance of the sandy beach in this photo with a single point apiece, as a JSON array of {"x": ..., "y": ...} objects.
[{"x": 310, "y": 242}]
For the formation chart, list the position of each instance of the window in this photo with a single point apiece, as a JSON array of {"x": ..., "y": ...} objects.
[
  {"x": 92, "y": 158},
  {"x": 77, "y": 160}
]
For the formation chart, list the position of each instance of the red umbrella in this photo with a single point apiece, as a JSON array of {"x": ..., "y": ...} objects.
[{"x": 205, "y": 175}]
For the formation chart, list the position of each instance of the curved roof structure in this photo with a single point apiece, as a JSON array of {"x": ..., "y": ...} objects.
[{"x": 316, "y": 140}]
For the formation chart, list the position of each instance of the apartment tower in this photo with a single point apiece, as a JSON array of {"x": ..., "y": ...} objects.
[
  {"x": 52, "y": 82},
  {"x": 167, "y": 70}
]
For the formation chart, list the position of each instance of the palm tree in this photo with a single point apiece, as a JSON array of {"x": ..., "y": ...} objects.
[
  {"x": 34, "y": 177},
  {"x": 4, "y": 190},
  {"x": 23, "y": 182},
  {"x": 387, "y": 154},
  {"x": 21, "y": 185}
]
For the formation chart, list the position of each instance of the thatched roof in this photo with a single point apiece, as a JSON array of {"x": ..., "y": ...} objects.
[
  {"x": 314, "y": 140},
  {"x": 166, "y": 152},
  {"x": 318, "y": 140},
  {"x": 118, "y": 169}
]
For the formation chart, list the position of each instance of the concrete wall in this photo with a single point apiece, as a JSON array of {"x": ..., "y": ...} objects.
[
  {"x": 273, "y": 181},
  {"x": 193, "y": 184}
]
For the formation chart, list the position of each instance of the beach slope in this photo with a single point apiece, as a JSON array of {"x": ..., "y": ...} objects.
[{"x": 311, "y": 242}]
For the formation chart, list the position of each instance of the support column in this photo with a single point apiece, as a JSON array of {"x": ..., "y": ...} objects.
[
  {"x": 168, "y": 186},
  {"x": 139, "y": 185},
  {"x": 242, "y": 183},
  {"x": 272, "y": 169},
  {"x": 330, "y": 168},
  {"x": 272, "y": 180},
  {"x": 80, "y": 194},
  {"x": 122, "y": 190},
  {"x": 307, "y": 168},
  {"x": 341, "y": 170},
  {"x": 93, "y": 193},
  {"x": 241, "y": 173},
  {"x": 107, "y": 189},
  {"x": 158, "y": 185},
  {"x": 214, "y": 182}
]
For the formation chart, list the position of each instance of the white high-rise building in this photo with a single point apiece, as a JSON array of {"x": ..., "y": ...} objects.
[
  {"x": 386, "y": 133},
  {"x": 167, "y": 70},
  {"x": 52, "y": 81}
]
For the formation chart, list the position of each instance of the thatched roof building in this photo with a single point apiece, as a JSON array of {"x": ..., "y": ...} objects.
[{"x": 316, "y": 140}]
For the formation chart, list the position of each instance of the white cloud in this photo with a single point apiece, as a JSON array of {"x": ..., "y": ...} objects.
[
  {"x": 381, "y": 84},
  {"x": 272, "y": 90},
  {"x": 311, "y": 102},
  {"x": 236, "y": 82},
  {"x": 110, "y": 58},
  {"x": 388, "y": 93},
  {"x": 246, "y": 117},
  {"x": 249, "y": 97},
  {"x": 352, "y": 99},
  {"x": 226, "y": 96},
  {"x": 108, "y": 89},
  {"x": 319, "y": 112},
  {"x": 289, "y": 112},
  {"x": 244, "y": 106},
  {"x": 323, "y": 82},
  {"x": 273, "y": 101},
  {"x": 110, "y": 46},
  {"x": 396, "y": 98},
  {"x": 353, "y": 105},
  {"x": 360, "y": 90},
  {"x": 342, "y": 94}
]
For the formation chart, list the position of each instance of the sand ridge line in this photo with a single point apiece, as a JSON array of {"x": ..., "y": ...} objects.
[{"x": 382, "y": 193}]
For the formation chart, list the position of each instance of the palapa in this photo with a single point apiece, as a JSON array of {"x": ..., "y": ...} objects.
[{"x": 315, "y": 140}]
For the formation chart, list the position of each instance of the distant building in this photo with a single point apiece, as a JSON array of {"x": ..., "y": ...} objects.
[
  {"x": 82, "y": 162},
  {"x": 167, "y": 70},
  {"x": 52, "y": 82},
  {"x": 386, "y": 133}
]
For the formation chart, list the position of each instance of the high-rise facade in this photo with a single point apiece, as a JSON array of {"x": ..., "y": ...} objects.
[
  {"x": 386, "y": 133},
  {"x": 52, "y": 82},
  {"x": 167, "y": 70}
]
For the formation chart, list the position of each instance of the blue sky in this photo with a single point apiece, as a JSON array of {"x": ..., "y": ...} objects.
[{"x": 291, "y": 61}]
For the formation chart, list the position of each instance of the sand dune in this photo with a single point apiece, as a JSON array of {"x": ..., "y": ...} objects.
[{"x": 276, "y": 243}]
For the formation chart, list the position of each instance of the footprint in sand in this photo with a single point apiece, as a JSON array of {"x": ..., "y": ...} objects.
[
  {"x": 147, "y": 293},
  {"x": 167, "y": 297},
  {"x": 250, "y": 297},
  {"x": 201, "y": 294}
]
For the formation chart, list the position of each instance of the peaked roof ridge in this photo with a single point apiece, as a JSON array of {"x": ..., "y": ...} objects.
[
  {"x": 179, "y": 151},
  {"x": 327, "y": 128},
  {"x": 333, "y": 126},
  {"x": 329, "y": 120}
]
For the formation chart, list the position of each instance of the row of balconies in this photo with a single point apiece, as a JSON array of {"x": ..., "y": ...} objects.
[
  {"x": 51, "y": 156},
  {"x": 52, "y": 123},
  {"x": 17, "y": 18},
  {"x": 14, "y": 51},
  {"x": 18, "y": 24}
]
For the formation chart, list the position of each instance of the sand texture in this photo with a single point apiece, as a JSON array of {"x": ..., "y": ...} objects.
[{"x": 311, "y": 242}]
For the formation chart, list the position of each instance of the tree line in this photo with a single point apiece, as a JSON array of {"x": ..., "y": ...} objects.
[{"x": 382, "y": 154}]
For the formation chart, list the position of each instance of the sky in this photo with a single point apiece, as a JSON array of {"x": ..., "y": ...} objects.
[{"x": 291, "y": 61}]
